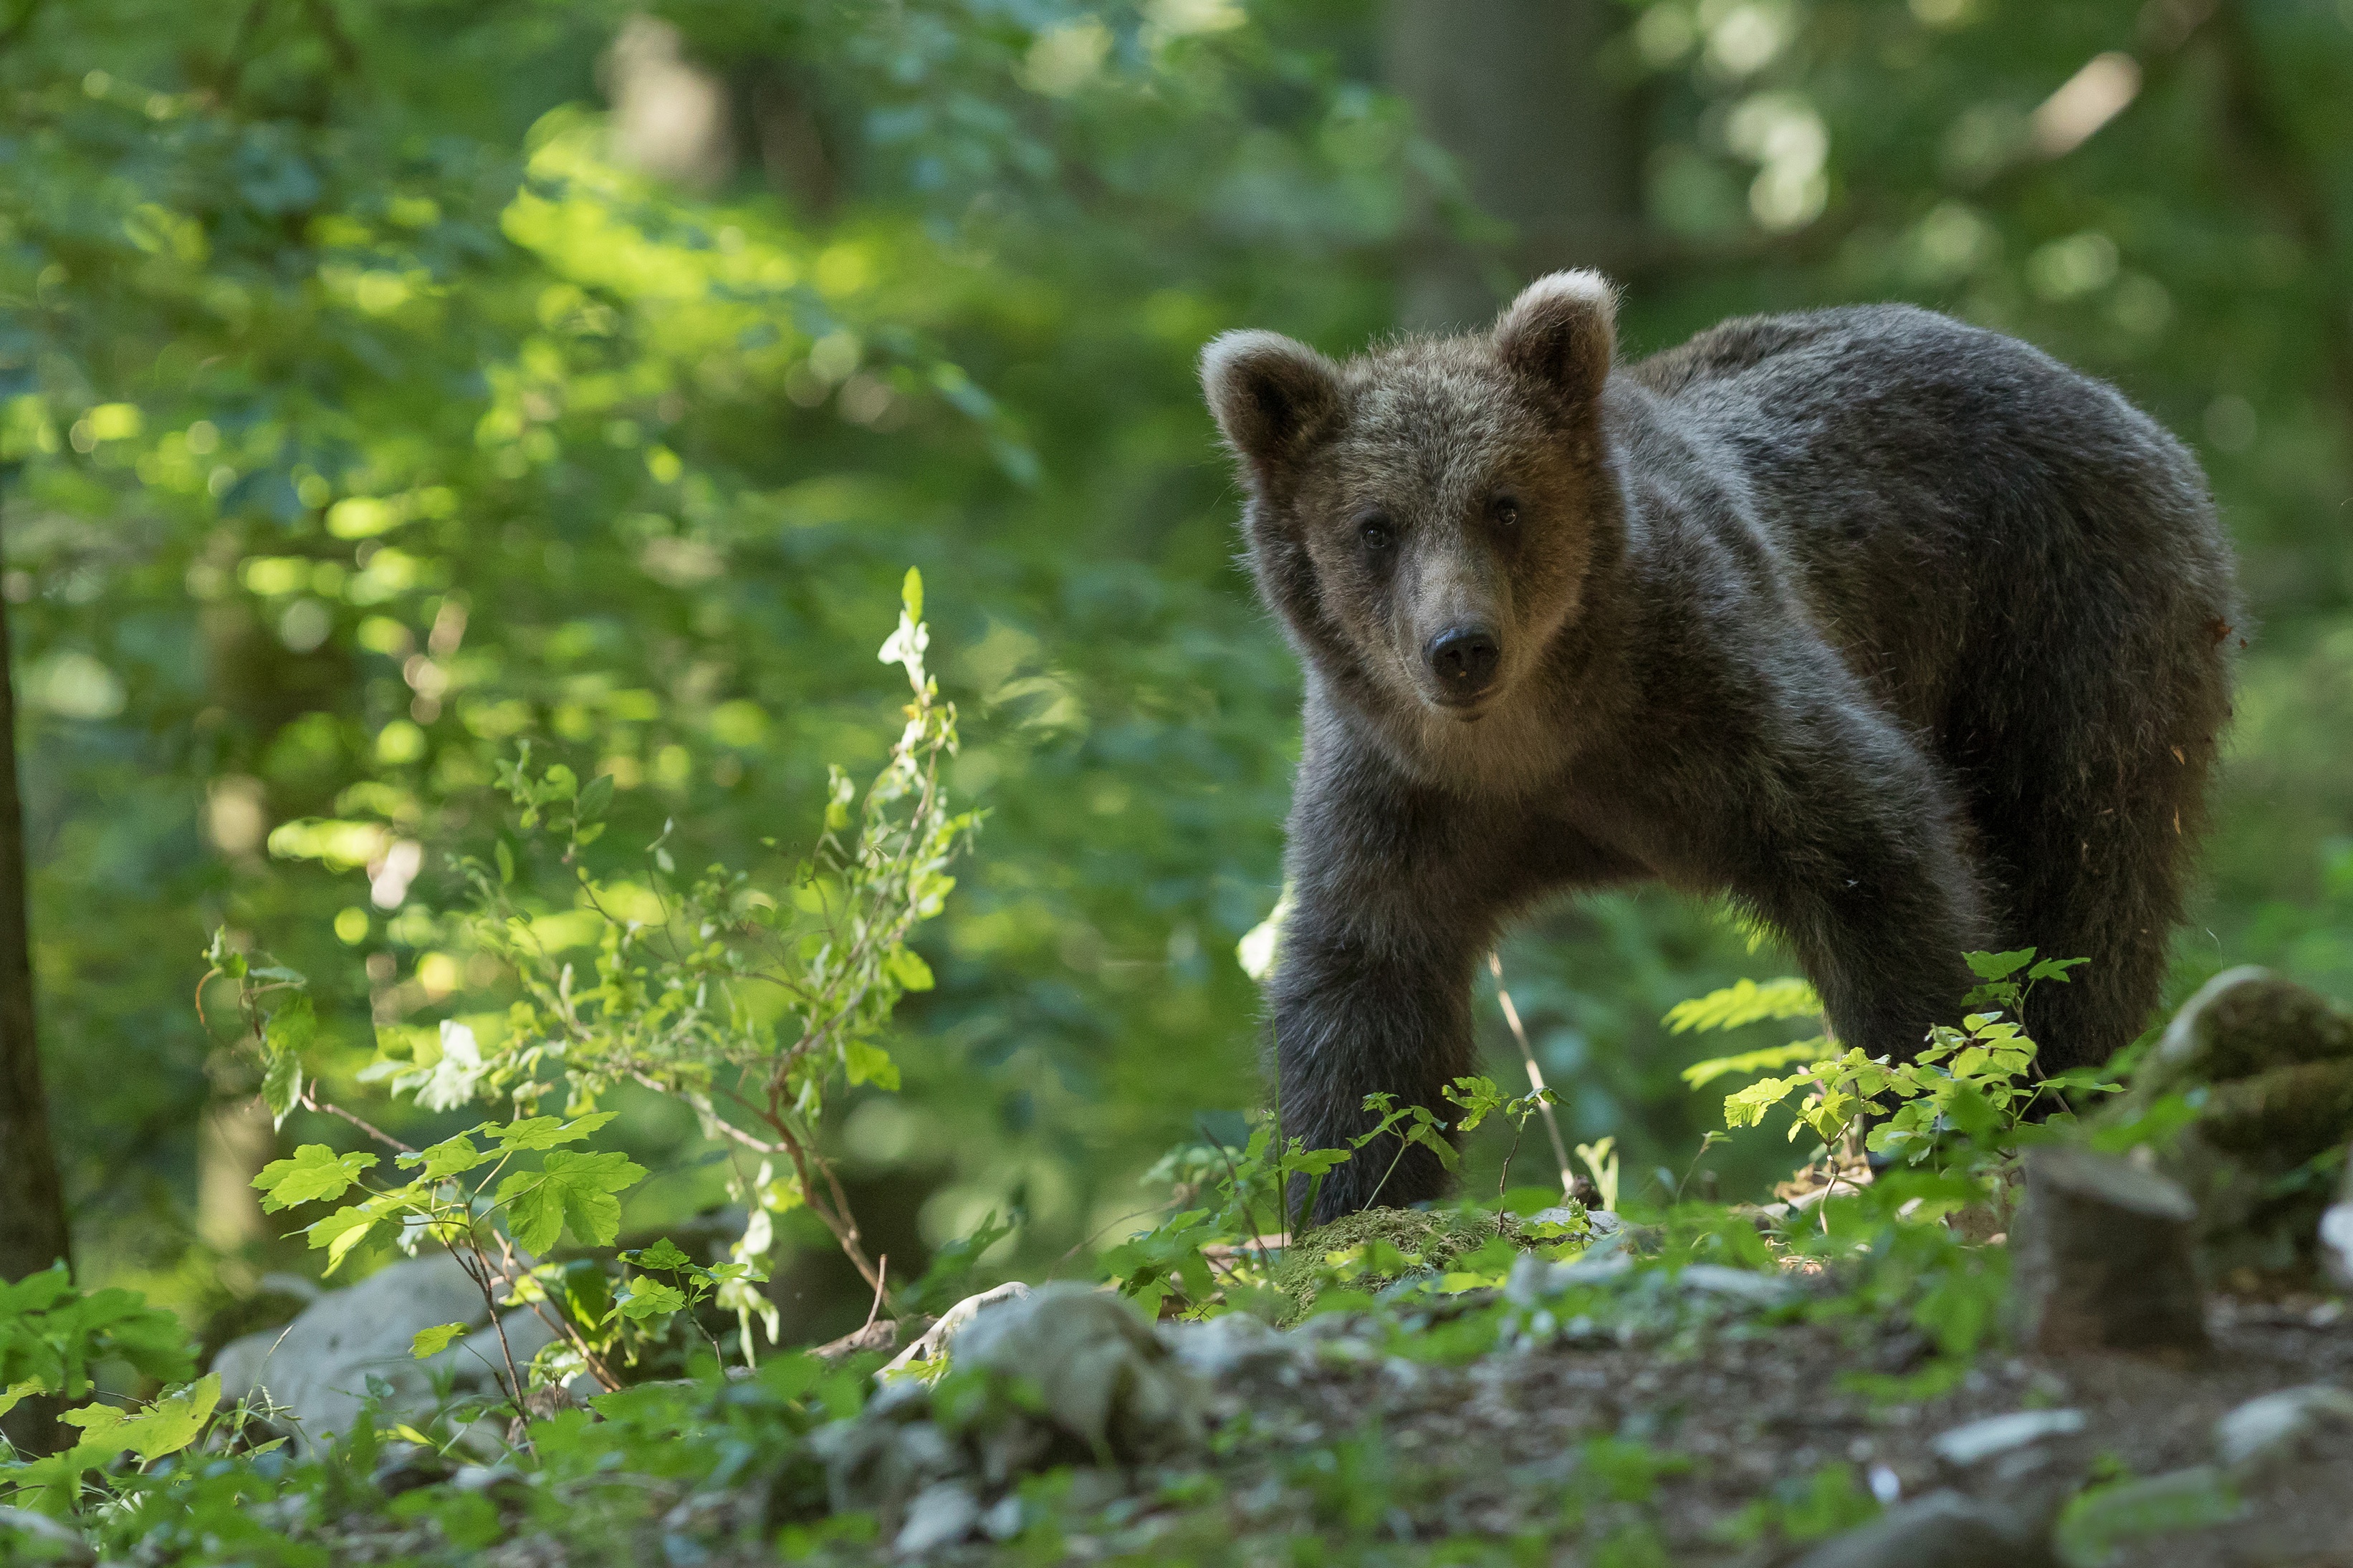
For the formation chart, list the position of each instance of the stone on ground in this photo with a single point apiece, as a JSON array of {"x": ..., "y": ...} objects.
[
  {"x": 1103, "y": 1380},
  {"x": 1943, "y": 1529},
  {"x": 1063, "y": 1374},
  {"x": 318, "y": 1366},
  {"x": 2101, "y": 1258},
  {"x": 2336, "y": 1231},
  {"x": 2310, "y": 1422}
]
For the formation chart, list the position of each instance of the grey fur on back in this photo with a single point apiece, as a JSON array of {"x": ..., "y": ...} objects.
[{"x": 1906, "y": 637}]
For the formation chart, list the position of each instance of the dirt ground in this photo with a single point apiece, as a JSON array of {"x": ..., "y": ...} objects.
[{"x": 1482, "y": 1449}]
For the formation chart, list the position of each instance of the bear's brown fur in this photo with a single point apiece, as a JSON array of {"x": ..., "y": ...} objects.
[{"x": 1907, "y": 637}]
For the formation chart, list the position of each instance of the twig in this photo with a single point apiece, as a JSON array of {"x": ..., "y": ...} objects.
[
  {"x": 1535, "y": 1076},
  {"x": 312, "y": 1102},
  {"x": 883, "y": 1272}
]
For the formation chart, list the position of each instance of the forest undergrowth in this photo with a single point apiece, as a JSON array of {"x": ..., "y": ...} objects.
[{"x": 1626, "y": 1372}]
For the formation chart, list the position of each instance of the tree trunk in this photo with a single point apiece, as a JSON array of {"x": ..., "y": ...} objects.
[
  {"x": 1548, "y": 147},
  {"x": 33, "y": 1232},
  {"x": 32, "y": 1203}
]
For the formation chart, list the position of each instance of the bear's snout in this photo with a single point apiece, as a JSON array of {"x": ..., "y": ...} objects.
[{"x": 1464, "y": 660}]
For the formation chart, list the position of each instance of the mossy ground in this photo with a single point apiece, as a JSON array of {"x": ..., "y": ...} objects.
[{"x": 1363, "y": 1250}]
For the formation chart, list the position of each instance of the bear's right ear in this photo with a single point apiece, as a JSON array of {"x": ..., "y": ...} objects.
[
  {"x": 1561, "y": 333},
  {"x": 1270, "y": 395}
]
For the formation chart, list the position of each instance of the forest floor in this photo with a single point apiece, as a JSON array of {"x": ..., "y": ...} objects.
[
  {"x": 1695, "y": 1421},
  {"x": 1743, "y": 1442}
]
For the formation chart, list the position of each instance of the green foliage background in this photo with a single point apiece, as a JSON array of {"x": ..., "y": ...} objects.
[{"x": 363, "y": 411}]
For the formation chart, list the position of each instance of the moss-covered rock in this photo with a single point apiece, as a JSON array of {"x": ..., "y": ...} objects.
[
  {"x": 1371, "y": 1250},
  {"x": 2268, "y": 1066}
]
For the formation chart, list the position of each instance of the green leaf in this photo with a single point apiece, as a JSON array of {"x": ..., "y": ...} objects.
[
  {"x": 2055, "y": 969},
  {"x": 1998, "y": 966},
  {"x": 450, "y": 1157},
  {"x": 911, "y": 594},
  {"x": 663, "y": 1254},
  {"x": 1745, "y": 1002},
  {"x": 281, "y": 1086},
  {"x": 315, "y": 1172},
  {"x": 341, "y": 1231},
  {"x": 648, "y": 1300},
  {"x": 506, "y": 861},
  {"x": 573, "y": 1189},
  {"x": 1747, "y": 1108},
  {"x": 1700, "y": 1074},
  {"x": 906, "y": 966},
  {"x": 871, "y": 1064},
  {"x": 435, "y": 1340},
  {"x": 547, "y": 1132},
  {"x": 293, "y": 1027},
  {"x": 170, "y": 1424},
  {"x": 594, "y": 797}
]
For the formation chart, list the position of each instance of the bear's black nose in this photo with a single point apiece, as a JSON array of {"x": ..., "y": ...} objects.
[{"x": 1464, "y": 660}]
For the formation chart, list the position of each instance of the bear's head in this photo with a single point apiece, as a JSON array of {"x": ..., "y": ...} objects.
[{"x": 1425, "y": 517}]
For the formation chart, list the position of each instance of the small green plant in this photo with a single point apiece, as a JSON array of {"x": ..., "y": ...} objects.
[
  {"x": 1600, "y": 1158},
  {"x": 1973, "y": 1079},
  {"x": 1218, "y": 1252},
  {"x": 52, "y": 1335},
  {"x": 1480, "y": 1098},
  {"x": 750, "y": 1002}
]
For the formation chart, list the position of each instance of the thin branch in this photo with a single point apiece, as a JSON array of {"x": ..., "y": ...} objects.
[
  {"x": 1535, "y": 1077},
  {"x": 313, "y": 1102}
]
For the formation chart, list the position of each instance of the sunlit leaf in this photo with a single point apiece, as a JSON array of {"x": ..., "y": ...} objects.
[{"x": 315, "y": 1172}]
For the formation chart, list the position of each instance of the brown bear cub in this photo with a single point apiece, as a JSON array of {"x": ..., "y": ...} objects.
[{"x": 1904, "y": 635}]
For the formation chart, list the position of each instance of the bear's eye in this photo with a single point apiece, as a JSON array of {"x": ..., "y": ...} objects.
[
  {"x": 1506, "y": 512},
  {"x": 1375, "y": 532}
]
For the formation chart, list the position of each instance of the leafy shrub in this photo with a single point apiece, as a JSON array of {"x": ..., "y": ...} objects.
[{"x": 747, "y": 1002}]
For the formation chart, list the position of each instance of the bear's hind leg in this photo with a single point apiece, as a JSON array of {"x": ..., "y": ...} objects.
[{"x": 2093, "y": 874}]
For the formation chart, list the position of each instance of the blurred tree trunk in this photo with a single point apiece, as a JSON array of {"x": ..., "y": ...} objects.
[
  {"x": 32, "y": 1203},
  {"x": 1547, "y": 146},
  {"x": 33, "y": 1232}
]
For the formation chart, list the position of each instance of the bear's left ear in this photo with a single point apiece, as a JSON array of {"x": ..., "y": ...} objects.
[{"x": 1561, "y": 333}]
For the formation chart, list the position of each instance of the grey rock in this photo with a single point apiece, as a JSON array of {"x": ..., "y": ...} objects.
[
  {"x": 1979, "y": 1440},
  {"x": 941, "y": 1515},
  {"x": 2336, "y": 1233},
  {"x": 1005, "y": 1519},
  {"x": 28, "y": 1537},
  {"x": 1740, "y": 1284},
  {"x": 1236, "y": 1351},
  {"x": 1943, "y": 1529},
  {"x": 2103, "y": 1257},
  {"x": 1103, "y": 1379},
  {"x": 1073, "y": 1374},
  {"x": 2185, "y": 1500},
  {"x": 1532, "y": 1280},
  {"x": 936, "y": 1341},
  {"x": 318, "y": 1366},
  {"x": 888, "y": 1454},
  {"x": 2278, "y": 1428}
]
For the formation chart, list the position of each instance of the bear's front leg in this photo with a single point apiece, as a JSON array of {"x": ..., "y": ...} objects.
[
  {"x": 1396, "y": 893},
  {"x": 1370, "y": 996}
]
